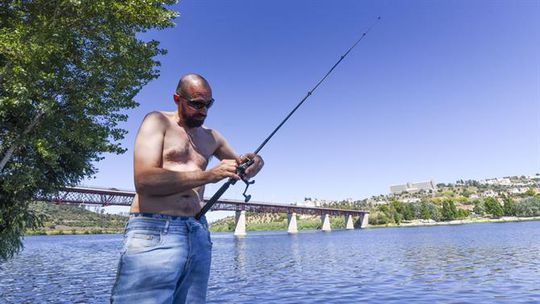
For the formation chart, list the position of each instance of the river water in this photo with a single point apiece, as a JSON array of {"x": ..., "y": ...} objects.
[{"x": 477, "y": 263}]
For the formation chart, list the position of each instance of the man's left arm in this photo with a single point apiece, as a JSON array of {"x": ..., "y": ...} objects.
[{"x": 225, "y": 151}]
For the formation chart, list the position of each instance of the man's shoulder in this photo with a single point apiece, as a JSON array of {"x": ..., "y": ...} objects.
[
  {"x": 159, "y": 117},
  {"x": 213, "y": 132}
]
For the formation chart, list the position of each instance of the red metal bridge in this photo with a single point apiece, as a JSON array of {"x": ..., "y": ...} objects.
[{"x": 115, "y": 197}]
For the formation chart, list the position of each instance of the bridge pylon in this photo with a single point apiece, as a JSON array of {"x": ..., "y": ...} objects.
[
  {"x": 240, "y": 228},
  {"x": 349, "y": 224},
  {"x": 293, "y": 227},
  {"x": 325, "y": 218}
]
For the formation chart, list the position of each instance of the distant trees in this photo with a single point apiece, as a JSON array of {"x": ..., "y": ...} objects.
[
  {"x": 479, "y": 208},
  {"x": 528, "y": 207},
  {"x": 403, "y": 211},
  {"x": 449, "y": 211},
  {"x": 396, "y": 212},
  {"x": 454, "y": 201},
  {"x": 509, "y": 208},
  {"x": 493, "y": 207},
  {"x": 424, "y": 211}
]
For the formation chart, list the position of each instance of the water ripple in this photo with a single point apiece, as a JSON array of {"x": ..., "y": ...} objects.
[{"x": 486, "y": 263}]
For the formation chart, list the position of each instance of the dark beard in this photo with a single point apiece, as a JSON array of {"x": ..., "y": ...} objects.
[
  {"x": 190, "y": 122},
  {"x": 193, "y": 123}
]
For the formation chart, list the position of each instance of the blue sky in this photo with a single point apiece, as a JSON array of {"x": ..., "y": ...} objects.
[{"x": 440, "y": 90}]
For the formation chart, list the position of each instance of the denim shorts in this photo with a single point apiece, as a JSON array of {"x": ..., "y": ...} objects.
[{"x": 165, "y": 259}]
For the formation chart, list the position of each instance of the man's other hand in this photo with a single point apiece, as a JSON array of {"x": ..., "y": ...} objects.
[
  {"x": 257, "y": 165},
  {"x": 226, "y": 168}
]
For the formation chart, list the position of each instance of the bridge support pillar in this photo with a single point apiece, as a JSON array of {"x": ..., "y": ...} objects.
[
  {"x": 325, "y": 218},
  {"x": 363, "y": 220},
  {"x": 240, "y": 229},
  {"x": 293, "y": 227},
  {"x": 349, "y": 225}
]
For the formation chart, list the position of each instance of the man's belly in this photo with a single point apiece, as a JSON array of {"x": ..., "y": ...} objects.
[{"x": 181, "y": 204}]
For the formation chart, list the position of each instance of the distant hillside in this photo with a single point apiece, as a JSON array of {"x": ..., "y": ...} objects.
[
  {"x": 517, "y": 196},
  {"x": 514, "y": 196},
  {"x": 72, "y": 219}
]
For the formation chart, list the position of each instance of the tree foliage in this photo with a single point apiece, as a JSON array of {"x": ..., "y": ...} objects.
[
  {"x": 530, "y": 206},
  {"x": 493, "y": 207},
  {"x": 479, "y": 208},
  {"x": 424, "y": 211},
  {"x": 67, "y": 70},
  {"x": 509, "y": 206},
  {"x": 449, "y": 211}
]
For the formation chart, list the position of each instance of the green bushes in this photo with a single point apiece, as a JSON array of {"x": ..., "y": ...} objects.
[
  {"x": 493, "y": 207},
  {"x": 397, "y": 212},
  {"x": 529, "y": 206}
]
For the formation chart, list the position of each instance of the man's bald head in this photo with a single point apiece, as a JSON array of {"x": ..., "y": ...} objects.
[
  {"x": 192, "y": 92},
  {"x": 189, "y": 82}
]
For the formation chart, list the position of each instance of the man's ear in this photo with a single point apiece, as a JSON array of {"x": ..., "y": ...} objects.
[{"x": 176, "y": 98}]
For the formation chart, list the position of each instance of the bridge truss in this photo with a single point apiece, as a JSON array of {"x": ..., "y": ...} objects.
[{"x": 115, "y": 197}]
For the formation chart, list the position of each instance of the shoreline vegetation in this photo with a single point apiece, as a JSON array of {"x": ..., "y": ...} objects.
[
  {"x": 78, "y": 220},
  {"x": 479, "y": 220},
  {"x": 314, "y": 223}
]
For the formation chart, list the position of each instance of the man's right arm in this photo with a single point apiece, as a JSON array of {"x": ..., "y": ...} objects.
[{"x": 151, "y": 179}]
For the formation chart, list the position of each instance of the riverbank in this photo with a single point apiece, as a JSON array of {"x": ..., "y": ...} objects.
[
  {"x": 71, "y": 231},
  {"x": 276, "y": 223},
  {"x": 73, "y": 220},
  {"x": 416, "y": 223}
]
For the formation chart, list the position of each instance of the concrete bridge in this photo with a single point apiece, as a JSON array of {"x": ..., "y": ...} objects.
[{"x": 115, "y": 197}]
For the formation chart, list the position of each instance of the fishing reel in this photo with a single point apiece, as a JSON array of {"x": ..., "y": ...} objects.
[{"x": 241, "y": 171}]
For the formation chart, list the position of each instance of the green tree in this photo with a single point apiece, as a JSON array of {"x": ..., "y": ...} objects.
[
  {"x": 479, "y": 208},
  {"x": 424, "y": 211},
  {"x": 509, "y": 207},
  {"x": 408, "y": 212},
  {"x": 67, "y": 70},
  {"x": 462, "y": 213},
  {"x": 397, "y": 218},
  {"x": 388, "y": 214},
  {"x": 435, "y": 212},
  {"x": 493, "y": 207},
  {"x": 528, "y": 207},
  {"x": 449, "y": 211}
]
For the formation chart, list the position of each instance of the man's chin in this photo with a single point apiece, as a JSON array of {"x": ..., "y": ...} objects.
[{"x": 194, "y": 123}]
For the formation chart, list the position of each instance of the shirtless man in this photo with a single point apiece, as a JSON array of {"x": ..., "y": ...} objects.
[{"x": 167, "y": 252}]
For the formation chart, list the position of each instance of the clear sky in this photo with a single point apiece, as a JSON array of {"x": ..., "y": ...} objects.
[{"x": 440, "y": 90}]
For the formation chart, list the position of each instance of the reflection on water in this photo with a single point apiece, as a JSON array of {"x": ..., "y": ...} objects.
[
  {"x": 240, "y": 255},
  {"x": 481, "y": 263}
]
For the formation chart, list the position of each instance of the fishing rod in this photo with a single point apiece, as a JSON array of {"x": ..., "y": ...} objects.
[{"x": 240, "y": 171}]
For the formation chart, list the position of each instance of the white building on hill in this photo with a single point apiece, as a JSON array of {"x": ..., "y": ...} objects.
[{"x": 413, "y": 187}]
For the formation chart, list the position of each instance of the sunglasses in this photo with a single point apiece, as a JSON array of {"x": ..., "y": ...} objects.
[{"x": 199, "y": 103}]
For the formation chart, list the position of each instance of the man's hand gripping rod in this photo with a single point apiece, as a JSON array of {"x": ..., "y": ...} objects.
[{"x": 240, "y": 171}]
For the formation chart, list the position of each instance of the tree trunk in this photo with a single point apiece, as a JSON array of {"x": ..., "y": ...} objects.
[{"x": 14, "y": 146}]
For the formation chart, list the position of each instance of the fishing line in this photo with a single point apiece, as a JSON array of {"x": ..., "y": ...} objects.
[{"x": 242, "y": 167}]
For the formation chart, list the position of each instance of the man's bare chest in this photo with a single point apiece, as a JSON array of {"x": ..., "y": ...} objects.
[{"x": 181, "y": 147}]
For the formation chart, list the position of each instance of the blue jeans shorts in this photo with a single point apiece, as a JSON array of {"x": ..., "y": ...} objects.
[{"x": 165, "y": 259}]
